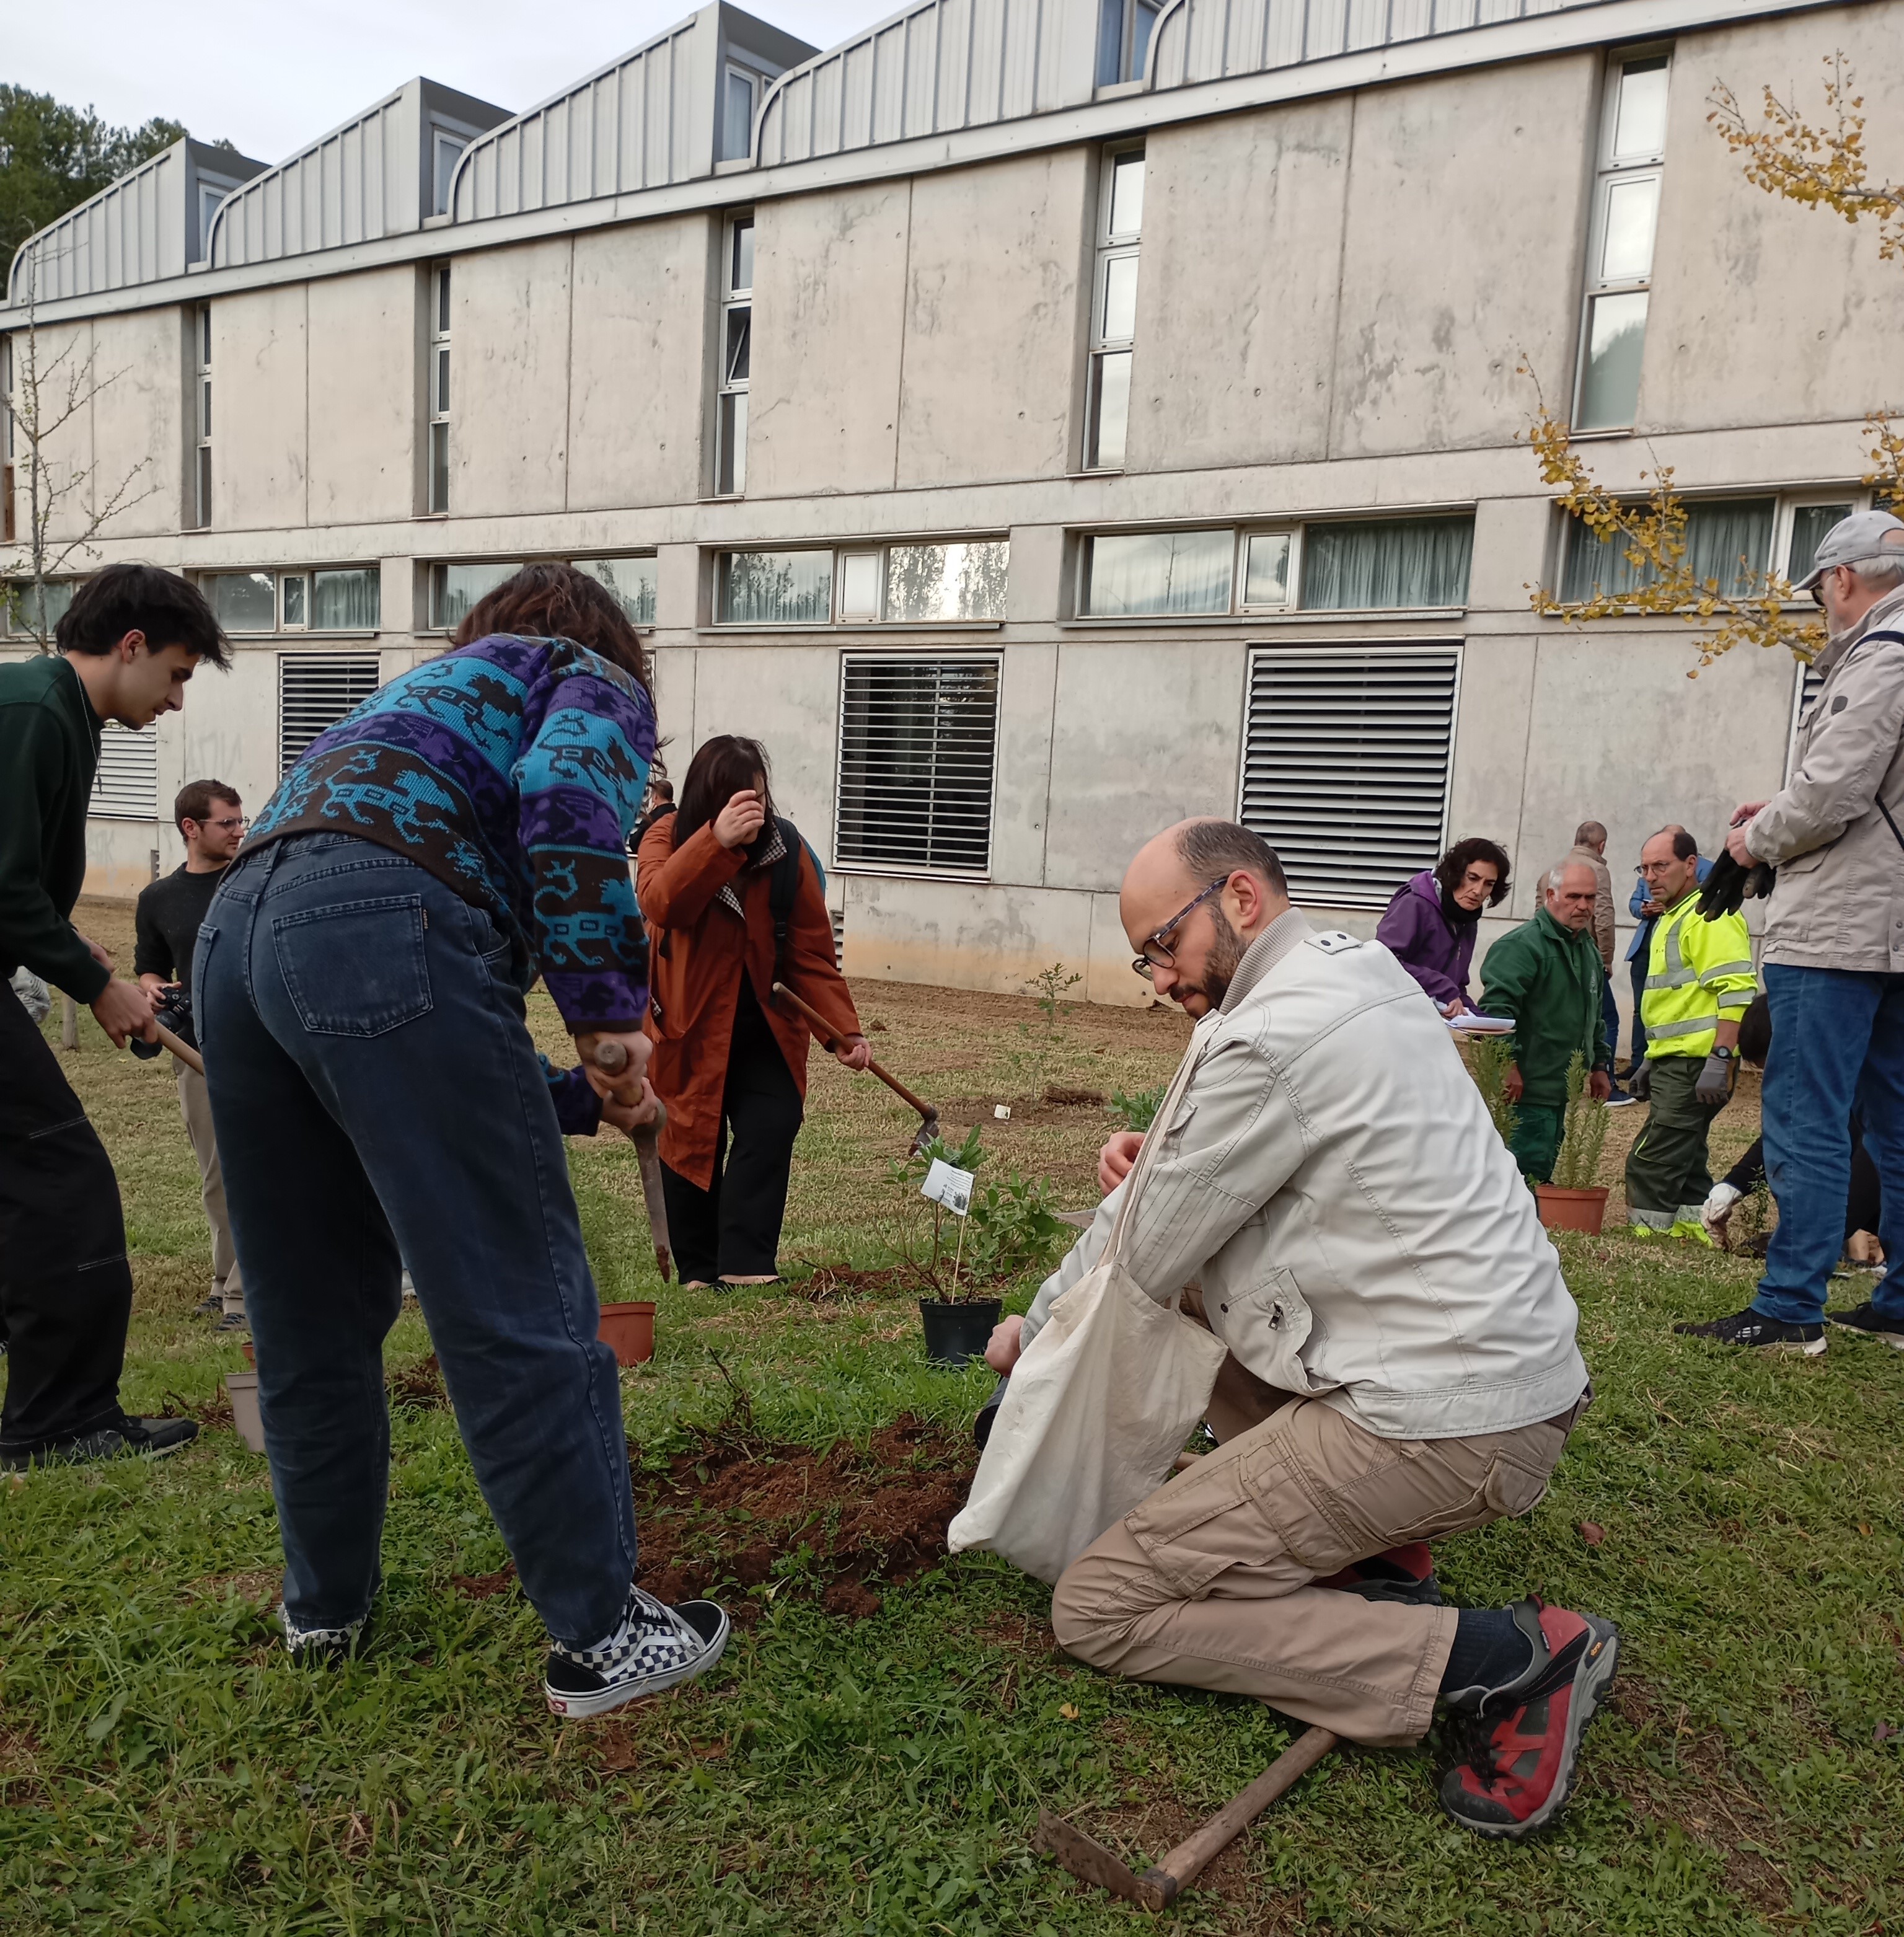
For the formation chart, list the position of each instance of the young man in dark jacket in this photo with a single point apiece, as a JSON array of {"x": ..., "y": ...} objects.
[{"x": 127, "y": 644}]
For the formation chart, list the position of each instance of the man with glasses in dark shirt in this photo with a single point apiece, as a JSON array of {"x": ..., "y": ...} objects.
[{"x": 210, "y": 819}]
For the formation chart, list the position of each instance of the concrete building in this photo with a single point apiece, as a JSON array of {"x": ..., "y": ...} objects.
[{"x": 1036, "y": 421}]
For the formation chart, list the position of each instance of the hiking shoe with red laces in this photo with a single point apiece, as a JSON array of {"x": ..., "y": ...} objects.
[{"x": 1521, "y": 1745}]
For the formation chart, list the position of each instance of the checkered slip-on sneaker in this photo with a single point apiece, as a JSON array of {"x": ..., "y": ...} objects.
[
  {"x": 318, "y": 1647},
  {"x": 655, "y": 1648}
]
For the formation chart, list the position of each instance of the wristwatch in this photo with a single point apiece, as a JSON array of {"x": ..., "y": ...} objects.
[{"x": 1723, "y": 1055}]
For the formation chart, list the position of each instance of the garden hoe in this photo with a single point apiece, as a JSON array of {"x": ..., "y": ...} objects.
[
  {"x": 612, "y": 1059},
  {"x": 1165, "y": 1881},
  {"x": 928, "y": 1128}
]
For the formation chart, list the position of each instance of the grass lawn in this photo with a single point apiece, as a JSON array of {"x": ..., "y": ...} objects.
[{"x": 164, "y": 1769}]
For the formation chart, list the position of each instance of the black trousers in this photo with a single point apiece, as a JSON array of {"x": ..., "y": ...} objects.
[
  {"x": 732, "y": 1230},
  {"x": 65, "y": 1288}
]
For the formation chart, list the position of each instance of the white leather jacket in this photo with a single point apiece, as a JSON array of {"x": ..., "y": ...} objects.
[{"x": 1332, "y": 1179}]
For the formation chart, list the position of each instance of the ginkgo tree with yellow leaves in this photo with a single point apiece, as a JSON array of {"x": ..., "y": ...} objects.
[{"x": 1819, "y": 167}]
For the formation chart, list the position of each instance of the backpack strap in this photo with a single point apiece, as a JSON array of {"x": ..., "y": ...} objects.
[{"x": 783, "y": 889}]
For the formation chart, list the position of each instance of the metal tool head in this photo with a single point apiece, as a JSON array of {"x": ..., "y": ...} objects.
[
  {"x": 927, "y": 1133},
  {"x": 1089, "y": 1861}
]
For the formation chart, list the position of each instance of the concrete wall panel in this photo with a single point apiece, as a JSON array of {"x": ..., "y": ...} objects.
[
  {"x": 829, "y": 301},
  {"x": 364, "y": 406},
  {"x": 1022, "y": 776},
  {"x": 787, "y": 697},
  {"x": 509, "y": 380},
  {"x": 636, "y": 395},
  {"x": 138, "y": 428},
  {"x": 259, "y": 409},
  {"x": 1237, "y": 288},
  {"x": 992, "y": 320},
  {"x": 962, "y": 934}
]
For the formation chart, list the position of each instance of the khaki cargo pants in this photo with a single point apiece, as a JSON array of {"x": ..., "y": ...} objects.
[{"x": 1209, "y": 1583}]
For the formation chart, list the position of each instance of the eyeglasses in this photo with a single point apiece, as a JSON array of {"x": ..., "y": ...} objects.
[
  {"x": 1155, "y": 954},
  {"x": 230, "y": 820}
]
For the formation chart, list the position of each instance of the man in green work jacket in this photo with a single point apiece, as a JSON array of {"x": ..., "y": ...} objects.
[
  {"x": 127, "y": 644},
  {"x": 1548, "y": 975}
]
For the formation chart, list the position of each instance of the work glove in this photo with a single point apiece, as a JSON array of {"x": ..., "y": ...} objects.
[
  {"x": 1730, "y": 885},
  {"x": 1640, "y": 1082},
  {"x": 1715, "y": 1081},
  {"x": 1716, "y": 1210}
]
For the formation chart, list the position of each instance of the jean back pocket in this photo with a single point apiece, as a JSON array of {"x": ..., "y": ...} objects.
[{"x": 356, "y": 967}]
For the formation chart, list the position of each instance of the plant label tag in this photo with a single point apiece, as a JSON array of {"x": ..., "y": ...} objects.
[{"x": 945, "y": 1185}]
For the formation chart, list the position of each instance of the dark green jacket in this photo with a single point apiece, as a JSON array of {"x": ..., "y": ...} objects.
[
  {"x": 49, "y": 749},
  {"x": 1548, "y": 979}
]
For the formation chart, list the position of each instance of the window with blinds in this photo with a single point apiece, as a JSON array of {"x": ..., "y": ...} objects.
[
  {"x": 125, "y": 784},
  {"x": 315, "y": 690},
  {"x": 1346, "y": 758},
  {"x": 918, "y": 739}
]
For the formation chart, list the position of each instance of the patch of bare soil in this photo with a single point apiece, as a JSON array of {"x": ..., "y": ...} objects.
[
  {"x": 1057, "y": 1103},
  {"x": 420, "y": 1386},
  {"x": 256, "y": 1585},
  {"x": 1143, "y": 1831},
  {"x": 843, "y": 1281},
  {"x": 774, "y": 1520}
]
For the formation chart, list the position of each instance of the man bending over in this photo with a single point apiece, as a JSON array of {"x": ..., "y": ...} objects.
[{"x": 1402, "y": 1357}]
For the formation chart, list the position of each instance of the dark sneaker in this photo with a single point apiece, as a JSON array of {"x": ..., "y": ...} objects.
[
  {"x": 1404, "y": 1573},
  {"x": 323, "y": 1647},
  {"x": 212, "y": 1307},
  {"x": 1753, "y": 1328},
  {"x": 232, "y": 1321},
  {"x": 655, "y": 1648},
  {"x": 1520, "y": 1749},
  {"x": 141, "y": 1438},
  {"x": 1873, "y": 1323}
]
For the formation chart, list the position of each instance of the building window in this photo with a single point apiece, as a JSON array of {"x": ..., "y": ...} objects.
[
  {"x": 630, "y": 582},
  {"x": 446, "y": 150},
  {"x": 349, "y": 599},
  {"x": 962, "y": 583},
  {"x": 1728, "y": 540},
  {"x": 6, "y": 442},
  {"x": 209, "y": 197},
  {"x": 1620, "y": 241},
  {"x": 1809, "y": 523},
  {"x": 315, "y": 690},
  {"x": 126, "y": 782},
  {"x": 439, "y": 389},
  {"x": 454, "y": 588},
  {"x": 736, "y": 356},
  {"x": 737, "y": 116},
  {"x": 242, "y": 602},
  {"x": 202, "y": 466},
  {"x": 918, "y": 738},
  {"x": 19, "y": 607},
  {"x": 1359, "y": 565},
  {"x": 1114, "y": 309},
  {"x": 1346, "y": 759},
  {"x": 1124, "y": 38}
]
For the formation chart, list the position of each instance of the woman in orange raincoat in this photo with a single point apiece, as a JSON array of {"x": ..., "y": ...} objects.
[{"x": 730, "y": 1064}]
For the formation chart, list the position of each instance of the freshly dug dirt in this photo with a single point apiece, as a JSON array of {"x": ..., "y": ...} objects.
[
  {"x": 775, "y": 1521},
  {"x": 1055, "y": 1105}
]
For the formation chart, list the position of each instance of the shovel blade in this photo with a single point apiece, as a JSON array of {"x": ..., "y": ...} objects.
[
  {"x": 1089, "y": 1862},
  {"x": 924, "y": 1137}
]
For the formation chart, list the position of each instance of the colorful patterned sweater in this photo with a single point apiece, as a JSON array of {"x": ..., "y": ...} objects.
[{"x": 513, "y": 769}]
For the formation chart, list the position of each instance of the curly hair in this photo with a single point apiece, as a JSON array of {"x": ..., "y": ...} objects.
[
  {"x": 1453, "y": 866},
  {"x": 550, "y": 601}
]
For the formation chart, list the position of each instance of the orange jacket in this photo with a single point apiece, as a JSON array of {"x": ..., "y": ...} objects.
[{"x": 696, "y": 952}]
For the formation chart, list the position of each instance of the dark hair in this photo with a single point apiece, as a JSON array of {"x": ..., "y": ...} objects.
[
  {"x": 1213, "y": 849},
  {"x": 549, "y": 601},
  {"x": 723, "y": 766},
  {"x": 169, "y": 610},
  {"x": 1684, "y": 847},
  {"x": 1755, "y": 1031},
  {"x": 1588, "y": 833},
  {"x": 1452, "y": 869},
  {"x": 194, "y": 800}
]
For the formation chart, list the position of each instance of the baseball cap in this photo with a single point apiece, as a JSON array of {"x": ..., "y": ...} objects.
[{"x": 1863, "y": 535}]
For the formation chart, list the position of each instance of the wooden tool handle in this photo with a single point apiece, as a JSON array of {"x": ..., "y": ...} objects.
[
  {"x": 611, "y": 1057},
  {"x": 186, "y": 1054},
  {"x": 1177, "y": 1871},
  {"x": 828, "y": 1040}
]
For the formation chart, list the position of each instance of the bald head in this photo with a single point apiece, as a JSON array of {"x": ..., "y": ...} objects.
[
  {"x": 1199, "y": 894},
  {"x": 1572, "y": 890}
]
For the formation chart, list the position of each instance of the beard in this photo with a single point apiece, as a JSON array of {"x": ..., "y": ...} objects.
[{"x": 1227, "y": 949}]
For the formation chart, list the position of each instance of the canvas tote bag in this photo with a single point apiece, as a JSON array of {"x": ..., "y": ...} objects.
[{"x": 1097, "y": 1409}]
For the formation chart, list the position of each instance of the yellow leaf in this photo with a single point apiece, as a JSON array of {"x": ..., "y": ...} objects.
[{"x": 1069, "y": 1711}]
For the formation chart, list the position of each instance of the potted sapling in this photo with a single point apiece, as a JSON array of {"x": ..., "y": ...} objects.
[{"x": 1573, "y": 1202}]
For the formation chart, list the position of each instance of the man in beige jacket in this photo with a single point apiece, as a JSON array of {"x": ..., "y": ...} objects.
[
  {"x": 1589, "y": 848},
  {"x": 1402, "y": 1361},
  {"x": 1833, "y": 953}
]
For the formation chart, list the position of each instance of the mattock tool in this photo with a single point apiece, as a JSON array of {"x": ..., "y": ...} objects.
[
  {"x": 611, "y": 1058},
  {"x": 928, "y": 1128},
  {"x": 1165, "y": 1881}
]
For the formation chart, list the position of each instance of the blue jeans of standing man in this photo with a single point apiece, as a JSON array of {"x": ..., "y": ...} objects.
[
  {"x": 374, "y": 1090},
  {"x": 1837, "y": 1042}
]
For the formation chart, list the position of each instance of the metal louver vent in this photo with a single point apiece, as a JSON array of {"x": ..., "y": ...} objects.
[
  {"x": 917, "y": 740},
  {"x": 126, "y": 784},
  {"x": 315, "y": 690},
  {"x": 1346, "y": 766},
  {"x": 1809, "y": 681}
]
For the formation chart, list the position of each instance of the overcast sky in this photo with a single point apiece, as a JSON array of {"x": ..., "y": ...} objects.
[{"x": 272, "y": 77}]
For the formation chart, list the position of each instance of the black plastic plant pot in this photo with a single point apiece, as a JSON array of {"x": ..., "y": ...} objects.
[{"x": 956, "y": 1334}]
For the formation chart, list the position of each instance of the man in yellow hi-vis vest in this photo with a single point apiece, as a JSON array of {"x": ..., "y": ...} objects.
[{"x": 1699, "y": 980}]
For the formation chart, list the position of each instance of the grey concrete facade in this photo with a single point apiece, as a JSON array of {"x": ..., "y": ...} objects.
[{"x": 1344, "y": 262}]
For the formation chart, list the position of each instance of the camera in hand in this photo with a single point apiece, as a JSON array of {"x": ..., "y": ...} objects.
[{"x": 173, "y": 1010}]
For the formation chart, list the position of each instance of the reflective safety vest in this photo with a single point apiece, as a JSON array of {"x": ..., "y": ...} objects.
[{"x": 1697, "y": 973}]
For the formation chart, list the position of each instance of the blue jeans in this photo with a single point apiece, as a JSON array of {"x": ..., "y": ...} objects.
[
  {"x": 374, "y": 1090},
  {"x": 1610, "y": 1025},
  {"x": 1837, "y": 1042}
]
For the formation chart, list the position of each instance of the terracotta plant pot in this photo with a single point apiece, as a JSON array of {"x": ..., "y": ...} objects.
[
  {"x": 956, "y": 1334},
  {"x": 1572, "y": 1210},
  {"x": 241, "y": 1388},
  {"x": 629, "y": 1328}
]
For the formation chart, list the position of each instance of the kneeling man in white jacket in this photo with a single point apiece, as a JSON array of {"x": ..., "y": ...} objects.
[{"x": 1402, "y": 1362}]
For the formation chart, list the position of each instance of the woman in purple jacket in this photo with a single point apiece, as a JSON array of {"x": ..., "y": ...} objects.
[{"x": 1429, "y": 927}]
